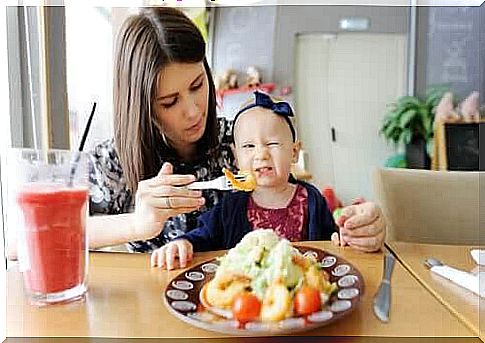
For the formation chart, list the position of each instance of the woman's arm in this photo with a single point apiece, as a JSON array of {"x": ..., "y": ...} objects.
[
  {"x": 151, "y": 211},
  {"x": 107, "y": 230},
  {"x": 102, "y": 231}
]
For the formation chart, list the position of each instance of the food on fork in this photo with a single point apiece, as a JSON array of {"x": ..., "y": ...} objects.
[
  {"x": 266, "y": 272},
  {"x": 248, "y": 184}
]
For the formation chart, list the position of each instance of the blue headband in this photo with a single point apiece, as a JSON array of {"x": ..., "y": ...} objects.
[{"x": 263, "y": 100}]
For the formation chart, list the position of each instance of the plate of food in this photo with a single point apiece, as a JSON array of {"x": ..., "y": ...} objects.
[{"x": 266, "y": 286}]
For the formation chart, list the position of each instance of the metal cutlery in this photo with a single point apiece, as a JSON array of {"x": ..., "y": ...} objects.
[
  {"x": 221, "y": 183},
  {"x": 382, "y": 299},
  {"x": 459, "y": 277}
]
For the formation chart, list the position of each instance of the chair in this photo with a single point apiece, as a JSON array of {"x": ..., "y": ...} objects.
[{"x": 435, "y": 207}]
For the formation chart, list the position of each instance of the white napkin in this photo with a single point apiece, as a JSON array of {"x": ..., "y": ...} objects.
[
  {"x": 474, "y": 283},
  {"x": 479, "y": 256}
]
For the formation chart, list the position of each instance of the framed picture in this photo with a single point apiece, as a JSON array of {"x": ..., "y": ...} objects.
[{"x": 462, "y": 145}]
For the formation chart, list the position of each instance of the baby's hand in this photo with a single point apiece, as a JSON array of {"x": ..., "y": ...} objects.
[{"x": 165, "y": 257}]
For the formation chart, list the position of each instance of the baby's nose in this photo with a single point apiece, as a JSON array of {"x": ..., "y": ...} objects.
[{"x": 262, "y": 152}]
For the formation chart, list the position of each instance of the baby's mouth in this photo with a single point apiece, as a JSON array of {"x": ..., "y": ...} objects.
[{"x": 264, "y": 171}]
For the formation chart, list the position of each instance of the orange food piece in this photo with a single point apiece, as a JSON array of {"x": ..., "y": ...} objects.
[{"x": 248, "y": 185}]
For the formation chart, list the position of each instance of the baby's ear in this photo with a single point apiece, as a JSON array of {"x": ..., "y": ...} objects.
[
  {"x": 295, "y": 151},
  {"x": 233, "y": 149}
]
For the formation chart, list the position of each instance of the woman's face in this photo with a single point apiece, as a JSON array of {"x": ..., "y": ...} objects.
[{"x": 181, "y": 103}]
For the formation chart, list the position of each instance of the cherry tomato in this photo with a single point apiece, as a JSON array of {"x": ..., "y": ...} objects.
[
  {"x": 307, "y": 301},
  {"x": 246, "y": 307}
]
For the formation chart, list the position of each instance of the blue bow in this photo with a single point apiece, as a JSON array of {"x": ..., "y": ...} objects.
[{"x": 280, "y": 107}]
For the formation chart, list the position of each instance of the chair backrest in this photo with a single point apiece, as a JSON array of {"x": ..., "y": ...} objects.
[{"x": 436, "y": 207}]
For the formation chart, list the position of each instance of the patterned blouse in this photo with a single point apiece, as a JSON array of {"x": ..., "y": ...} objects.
[
  {"x": 109, "y": 193},
  {"x": 288, "y": 222}
]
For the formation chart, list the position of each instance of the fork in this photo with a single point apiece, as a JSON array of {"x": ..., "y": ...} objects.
[{"x": 221, "y": 183}]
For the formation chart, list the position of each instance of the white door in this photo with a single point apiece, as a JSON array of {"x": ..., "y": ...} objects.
[{"x": 343, "y": 83}]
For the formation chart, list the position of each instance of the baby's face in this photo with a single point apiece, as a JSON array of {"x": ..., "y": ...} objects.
[{"x": 264, "y": 145}]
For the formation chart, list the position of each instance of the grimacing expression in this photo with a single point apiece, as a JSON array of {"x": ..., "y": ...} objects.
[
  {"x": 264, "y": 146},
  {"x": 181, "y": 102}
]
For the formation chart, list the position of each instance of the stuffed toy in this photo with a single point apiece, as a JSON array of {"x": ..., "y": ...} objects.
[
  {"x": 445, "y": 111},
  {"x": 228, "y": 80},
  {"x": 253, "y": 77},
  {"x": 469, "y": 108}
]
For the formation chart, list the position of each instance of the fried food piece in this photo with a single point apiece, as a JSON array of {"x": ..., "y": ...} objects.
[
  {"x": 276, "y": 303},
  {"x": 248, "y": 185},
  {"x": 316, "y": 278},
  {"x": 222, "y": 290},
  {"x": 303, "y": 262}
]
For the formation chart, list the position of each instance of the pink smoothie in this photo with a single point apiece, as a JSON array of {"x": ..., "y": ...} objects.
[{"x": 55, "y": 236}]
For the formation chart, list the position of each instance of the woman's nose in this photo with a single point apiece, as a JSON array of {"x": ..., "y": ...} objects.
[{"x": 191, "y": 109}]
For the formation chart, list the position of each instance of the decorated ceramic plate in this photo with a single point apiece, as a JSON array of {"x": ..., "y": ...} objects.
[{"x": 186, "y": 299}]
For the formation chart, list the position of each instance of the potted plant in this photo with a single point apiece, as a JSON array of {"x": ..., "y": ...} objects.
[{"x": 409, "y": 122}]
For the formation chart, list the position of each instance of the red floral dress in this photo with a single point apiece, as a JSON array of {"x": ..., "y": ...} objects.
[{"x": 288, "y": 222}]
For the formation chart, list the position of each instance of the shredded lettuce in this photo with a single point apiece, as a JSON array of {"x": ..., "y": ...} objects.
[{"x": 264, "y": 257}]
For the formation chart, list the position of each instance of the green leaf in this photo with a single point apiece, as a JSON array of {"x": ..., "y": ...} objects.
[
  {"x": 406, "y": 118},
  {"x": 389, "y": 132},
  {"x": 425, "y": 112},
  {"x": 407, "y": 137},
  {"x": 428, "y": 125},
  {"x": 394, "y": 135},
  {"x": 401, "y": 138},
  {"x": 406, "y": 101}
]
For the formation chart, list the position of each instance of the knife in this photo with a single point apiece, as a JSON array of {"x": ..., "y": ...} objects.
[
  {"x": 382, "y": 299},
  {"x": 459, "y": 277}
]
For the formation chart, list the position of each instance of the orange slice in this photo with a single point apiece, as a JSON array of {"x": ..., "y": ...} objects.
[{"x": 248, "y": 185}]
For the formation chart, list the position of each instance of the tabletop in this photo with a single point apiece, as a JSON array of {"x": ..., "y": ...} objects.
[
  {"x": 467, "y": 306},
  {"x": 125, "y": 300}
]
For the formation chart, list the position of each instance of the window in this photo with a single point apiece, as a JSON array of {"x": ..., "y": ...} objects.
[{"x": 89, "y": 71}]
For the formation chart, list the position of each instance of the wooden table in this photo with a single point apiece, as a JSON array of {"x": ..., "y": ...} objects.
[
  {"x": 124, "y": 300},
  {"x": 464, "y": 304}
]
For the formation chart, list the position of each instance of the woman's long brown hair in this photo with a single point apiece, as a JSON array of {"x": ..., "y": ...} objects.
[{"x": 146, "y": 44}]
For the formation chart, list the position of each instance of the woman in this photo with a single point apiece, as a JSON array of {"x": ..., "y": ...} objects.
[{"x": 167, "y": 135}]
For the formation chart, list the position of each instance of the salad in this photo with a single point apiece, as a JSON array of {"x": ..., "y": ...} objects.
[{"x": 265, "y": 278}]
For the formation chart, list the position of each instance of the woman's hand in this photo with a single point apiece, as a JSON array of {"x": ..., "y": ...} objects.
[
  {"x": 362, "y": 226},
  {"x": 165, "y": 257},
  {"x": 159, "y": 198}
]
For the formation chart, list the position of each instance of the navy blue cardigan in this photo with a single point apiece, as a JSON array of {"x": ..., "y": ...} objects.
[{"x": 226, "y": 223}]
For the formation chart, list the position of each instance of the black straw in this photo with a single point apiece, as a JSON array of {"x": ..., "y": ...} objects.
[
  {"x": 86, "y": 129},
  {"x": 77, "y": 155}
]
